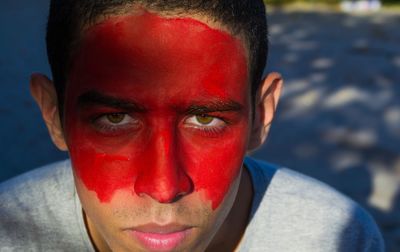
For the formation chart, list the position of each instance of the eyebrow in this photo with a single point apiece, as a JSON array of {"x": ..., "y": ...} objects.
[
  {"x": 215, "y": 106},
  {"x": 95, "y": 98}
]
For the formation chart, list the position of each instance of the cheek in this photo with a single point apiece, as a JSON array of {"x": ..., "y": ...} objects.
[
  {"x": 102, "y": 173},
  {"x": 213, "y": 168}
]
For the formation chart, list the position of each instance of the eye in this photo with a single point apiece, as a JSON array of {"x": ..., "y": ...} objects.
[
  {"x": 115, "y": 123},
  {"x": 115, "y": 118},
  {"x": 210, "y": 125},
  {"x": 204, "y": 119}
]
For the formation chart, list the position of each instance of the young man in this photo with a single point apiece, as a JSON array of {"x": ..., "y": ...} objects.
[{"x": 158, "y": 103}]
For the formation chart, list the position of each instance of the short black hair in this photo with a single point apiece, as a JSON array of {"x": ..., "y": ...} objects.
[{"x": 67, "y": 18}]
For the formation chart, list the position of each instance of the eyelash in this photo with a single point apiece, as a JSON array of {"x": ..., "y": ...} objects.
[
  {"x": 110, "y": 128},
  {"x": 210, "y": 131}
]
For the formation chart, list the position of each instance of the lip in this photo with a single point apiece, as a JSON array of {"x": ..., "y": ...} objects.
[{"x": 156, "y": 237}]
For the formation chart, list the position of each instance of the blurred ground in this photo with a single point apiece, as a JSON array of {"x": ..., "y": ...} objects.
[
  {"x": 338, "y": 120},
  {"x": 339, "y": 117}
]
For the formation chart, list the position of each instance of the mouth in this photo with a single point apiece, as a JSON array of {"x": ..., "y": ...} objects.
[{"x": 155, "y": 237}]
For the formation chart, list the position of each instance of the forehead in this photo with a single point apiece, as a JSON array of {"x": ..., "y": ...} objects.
[{"x": 149, "y": 48}]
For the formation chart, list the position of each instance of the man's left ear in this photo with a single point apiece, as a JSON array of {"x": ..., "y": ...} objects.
[{"x": 266, "y": 102}]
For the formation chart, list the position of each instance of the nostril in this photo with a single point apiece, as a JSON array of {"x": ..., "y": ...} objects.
[
  {"x": 178, "y": 197},
  {"x": 141, "y": 195}
]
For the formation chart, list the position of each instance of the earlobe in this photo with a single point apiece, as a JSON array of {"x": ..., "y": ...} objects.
[
  {"x": 266, "y": 102},
  {"x": 44, "y": 93}
]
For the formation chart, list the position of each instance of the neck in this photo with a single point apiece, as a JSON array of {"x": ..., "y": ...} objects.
[{"x": 228, "y": 238}]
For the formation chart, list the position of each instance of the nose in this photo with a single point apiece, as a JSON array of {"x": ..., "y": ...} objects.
[{"x": 162, "y": 176}]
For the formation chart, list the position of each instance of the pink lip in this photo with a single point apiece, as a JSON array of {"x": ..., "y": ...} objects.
[{"x": 160, "y": 238}]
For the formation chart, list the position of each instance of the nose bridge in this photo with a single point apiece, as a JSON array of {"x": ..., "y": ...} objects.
[
  {"x": 166, "y": 166},
  {"x": 164, "y": 178},
  {"x": 165, "y": 148}
]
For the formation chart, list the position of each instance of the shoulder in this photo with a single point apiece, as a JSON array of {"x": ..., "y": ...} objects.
[
  {"x": 42, "y": 183},
  {"x": 38, "y": 208},
  {"x": 300, "y": 212}
]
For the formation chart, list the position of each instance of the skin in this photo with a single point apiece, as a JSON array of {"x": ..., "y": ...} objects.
[{"x": 157, "y": 124}]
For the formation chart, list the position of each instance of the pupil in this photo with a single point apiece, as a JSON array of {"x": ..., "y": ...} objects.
[{"x": 115, "y": 118}]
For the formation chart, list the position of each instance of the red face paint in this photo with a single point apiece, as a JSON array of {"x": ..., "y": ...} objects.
[{"x": 180, "y": 88}]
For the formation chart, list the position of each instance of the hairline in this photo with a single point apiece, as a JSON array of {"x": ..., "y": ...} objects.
[
  {"x": 133, "y": 9},
  {"x": 201, "y": 16}
]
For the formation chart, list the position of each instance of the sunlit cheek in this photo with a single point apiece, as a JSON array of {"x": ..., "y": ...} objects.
[{"x": 213, "y": 168}]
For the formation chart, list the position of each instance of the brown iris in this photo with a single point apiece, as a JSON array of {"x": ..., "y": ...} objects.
[
  {"x": 204, "y": 119},
  {"x": 115, "y": 118}
]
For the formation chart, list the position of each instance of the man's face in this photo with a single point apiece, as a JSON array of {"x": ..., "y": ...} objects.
[{"x": 157, "y": 121}]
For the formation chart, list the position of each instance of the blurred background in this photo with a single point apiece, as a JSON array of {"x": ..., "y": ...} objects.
[{"x": 338, "y": 119}]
